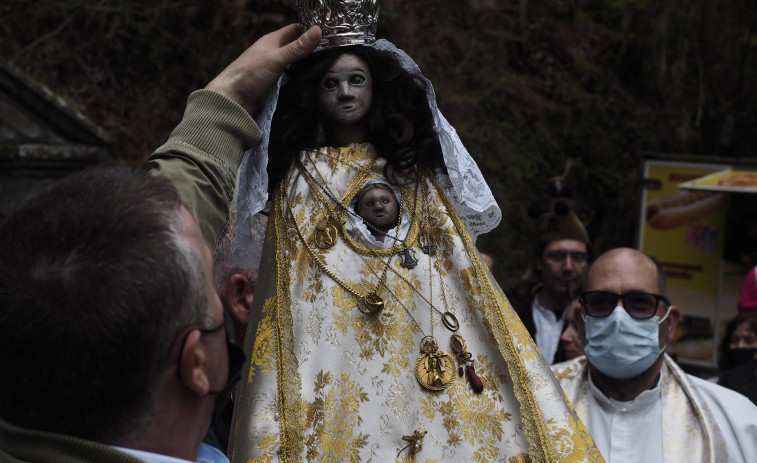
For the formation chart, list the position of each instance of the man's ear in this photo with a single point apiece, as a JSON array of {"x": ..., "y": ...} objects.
[
  {"x": 580, "y": 321},
  {"x": 194, "y": 364},
  {"x": 238, "y": 292},
  {"x": 673, "y": 317},
  {"x": 237, "y": 295},
  {"x": 577, "y": 316}
]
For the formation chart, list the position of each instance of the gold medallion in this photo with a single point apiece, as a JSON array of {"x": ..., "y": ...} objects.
[
  {"x": 326, "y": 233},
  {"x": 434, "y": 369}
]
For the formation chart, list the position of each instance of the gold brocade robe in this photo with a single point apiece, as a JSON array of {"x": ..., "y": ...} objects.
[{"x": 329, "y": 383}]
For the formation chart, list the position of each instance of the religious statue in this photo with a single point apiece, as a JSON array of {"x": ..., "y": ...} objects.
[{"x": 354, "y": 335}]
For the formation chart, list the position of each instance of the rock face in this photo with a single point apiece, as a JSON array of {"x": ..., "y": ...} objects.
[{"x": 41, "y": 138}]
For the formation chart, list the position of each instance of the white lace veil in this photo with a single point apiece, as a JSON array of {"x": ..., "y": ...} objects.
[{"x": 465, "y": 185}]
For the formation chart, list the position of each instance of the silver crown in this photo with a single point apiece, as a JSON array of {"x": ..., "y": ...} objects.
[{"x": 343, "y": 22}]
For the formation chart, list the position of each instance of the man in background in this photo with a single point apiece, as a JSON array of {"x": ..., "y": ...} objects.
[
  {"x": 236, "y": 289},
  {"x": 559, "y": 264},
  {"x": 636, "y": 403}
]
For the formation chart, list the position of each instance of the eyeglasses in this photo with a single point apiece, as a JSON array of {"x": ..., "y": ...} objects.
[
  {"x": 558, "y": 257},
  {"x": 638, "y": 304}
]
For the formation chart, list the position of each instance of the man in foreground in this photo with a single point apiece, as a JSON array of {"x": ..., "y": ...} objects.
[
  {"x": 636, "y": 402},
  {"x": 111, "y": 331}
]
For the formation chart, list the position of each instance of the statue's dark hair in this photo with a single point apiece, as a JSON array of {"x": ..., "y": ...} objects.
[{"x": 400, "y": 124}]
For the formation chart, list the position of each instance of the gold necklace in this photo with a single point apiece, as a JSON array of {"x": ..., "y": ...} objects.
[
  {"x": 434, "y": 369},
  {"x": 327, "y": 229},
  {"x": 457, "y": 343},
  {"x": 330, "y": 228},
  {"x": 369, "y": 302}
]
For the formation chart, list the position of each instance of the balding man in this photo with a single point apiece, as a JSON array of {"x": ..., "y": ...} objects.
[{"x": 637, "y": 404}]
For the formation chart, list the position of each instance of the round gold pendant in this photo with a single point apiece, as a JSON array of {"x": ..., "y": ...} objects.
[
  {"x": 326, "y": 233},
  {"x": 435, "y": 368}
]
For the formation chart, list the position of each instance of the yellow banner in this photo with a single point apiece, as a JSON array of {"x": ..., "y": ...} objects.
[{"x": 685, "y": 230}]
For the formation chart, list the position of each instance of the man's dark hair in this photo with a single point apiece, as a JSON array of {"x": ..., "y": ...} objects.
[
  {"x": 400, "y": 123},
  {"x": 96, "y": 283}
]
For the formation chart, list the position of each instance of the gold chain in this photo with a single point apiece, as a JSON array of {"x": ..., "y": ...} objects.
[
  {"x": 371, "y": 302},
  {"x": 324, "y": 186}
]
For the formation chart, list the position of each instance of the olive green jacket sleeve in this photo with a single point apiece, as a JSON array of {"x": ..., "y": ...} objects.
[
  {"x": 202, "y": 156},
  {"x": 18, "y": 445}
]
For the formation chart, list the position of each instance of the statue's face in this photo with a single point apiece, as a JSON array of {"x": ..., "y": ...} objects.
[
  {"x": 345, "y": 91},
  {"x": 378, "y": 206}
]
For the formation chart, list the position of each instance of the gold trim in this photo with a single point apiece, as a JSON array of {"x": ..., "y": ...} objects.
[
  {"x": 535, "y": 429},
  {"x": 288, "y": 377}
]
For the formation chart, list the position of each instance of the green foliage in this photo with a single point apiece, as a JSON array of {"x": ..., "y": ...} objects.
[{"x": 585, "y": 84}]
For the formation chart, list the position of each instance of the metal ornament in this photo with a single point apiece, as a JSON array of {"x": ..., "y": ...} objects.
[
  {"x": 434, "y": 369},
  {"x": 408, "y": 258},
  {"x": 326, "y": 232},
  {"x": 449, "y": 320},
  {"x": 426, "y": 243},
  {"x": 343, "y": 22},
  {"x": 465, "y": 362},
  {"x": 415, "y": 443},
  {"x": 371, "y": 303}
]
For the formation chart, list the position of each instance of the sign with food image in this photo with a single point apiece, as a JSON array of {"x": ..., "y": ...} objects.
[
  {"x": 685, "y": 230},
  {"x": 727, "y": 180}
]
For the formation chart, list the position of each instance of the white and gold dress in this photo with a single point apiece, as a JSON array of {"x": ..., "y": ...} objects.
[{"x": 336, "y": 369}]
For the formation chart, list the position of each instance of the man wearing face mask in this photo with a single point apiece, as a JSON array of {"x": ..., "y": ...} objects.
[{"x": 637, "y": 404}]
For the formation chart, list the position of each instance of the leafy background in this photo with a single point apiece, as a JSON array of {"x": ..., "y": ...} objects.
[{"x": 535, "y": 88}]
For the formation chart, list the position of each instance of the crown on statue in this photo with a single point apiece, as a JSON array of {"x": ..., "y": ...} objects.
[{"x": 343, "y": 22}]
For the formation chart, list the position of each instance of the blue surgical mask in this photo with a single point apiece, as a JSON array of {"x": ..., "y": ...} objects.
[{"x": 620, "y": 346}]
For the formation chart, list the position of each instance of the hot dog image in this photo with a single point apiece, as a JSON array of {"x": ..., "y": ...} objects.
[{"x": 678, "y": 209}]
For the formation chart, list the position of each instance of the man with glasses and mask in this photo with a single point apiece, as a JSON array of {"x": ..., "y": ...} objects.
[
  {"x": 559, "y": 264},
  {"x": 637, "y": 404}
]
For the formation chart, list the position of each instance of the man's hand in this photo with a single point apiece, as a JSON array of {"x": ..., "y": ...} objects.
[{"x": 249, "y": 79}]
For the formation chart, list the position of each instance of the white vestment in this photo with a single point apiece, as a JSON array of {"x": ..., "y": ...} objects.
[{"x": 682, "y": 419}]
